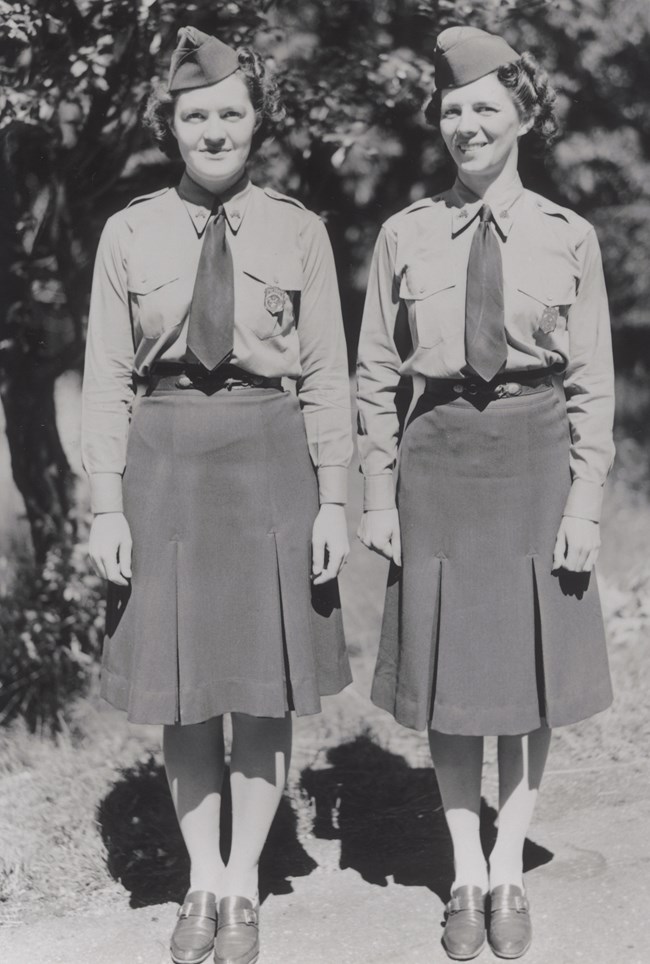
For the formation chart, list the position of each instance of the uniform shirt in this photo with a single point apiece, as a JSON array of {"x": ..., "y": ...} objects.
[
  {"x": 142, "y": 288},
  {"x": 556, "y": 313}
]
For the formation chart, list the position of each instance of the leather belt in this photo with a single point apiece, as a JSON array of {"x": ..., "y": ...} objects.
[
  {"x": 507, "y": 385},
  {"x": 171, "y": 375}
]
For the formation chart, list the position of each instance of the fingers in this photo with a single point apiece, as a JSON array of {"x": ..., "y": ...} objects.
[
  {"x": 336, "y": 559},
  {"x": 124, "y": 557},
  {"x": 317, "y": 554},
  {"x": 397, "y": 547},
  {"x": 559, "y": 552}
]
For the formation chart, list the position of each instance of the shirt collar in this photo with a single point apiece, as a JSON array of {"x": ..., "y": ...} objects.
[
  {"x": 466, "y": 206},
  {"x": 199, "y": 202}
]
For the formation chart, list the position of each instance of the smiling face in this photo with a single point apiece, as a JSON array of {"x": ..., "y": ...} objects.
[
  {"x": 480, "y": 126},
  {"x": 214, "y": 127}
]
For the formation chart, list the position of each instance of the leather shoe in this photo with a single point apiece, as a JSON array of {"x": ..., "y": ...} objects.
[
  {"x": 238, "y": 936},
  {"x": 464, "y": 934},
  {"x": 511, "y": 931},
  {"x": 193, "y": 937}
]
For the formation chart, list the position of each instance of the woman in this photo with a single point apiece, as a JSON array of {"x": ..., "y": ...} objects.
[
  {"x": 203, "y": 298},
  {"x": 492, "y": 625}
]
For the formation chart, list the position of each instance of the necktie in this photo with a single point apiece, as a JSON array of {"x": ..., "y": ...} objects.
[
  {"x": 210, "y": 330},
  {"x": 485, "y": 336}
]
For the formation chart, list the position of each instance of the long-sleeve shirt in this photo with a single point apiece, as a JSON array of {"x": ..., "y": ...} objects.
[
  {"x": 556, "y": 314},
  {"x": 142, "y": 289}
]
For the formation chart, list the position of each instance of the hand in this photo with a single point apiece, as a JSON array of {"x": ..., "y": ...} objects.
[
  {"x": 109, "y": 547},
  {"x": 379, "y": 530},
  {"x": 330, "y": 534},
  {"x": 577, "y": 545}
]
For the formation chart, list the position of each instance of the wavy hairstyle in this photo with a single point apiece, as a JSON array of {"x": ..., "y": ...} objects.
[
  {"x": 264, "y": 94},
  {"x": 532, "y": 94}
]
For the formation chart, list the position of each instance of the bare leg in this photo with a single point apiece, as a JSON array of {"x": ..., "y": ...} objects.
[
  {"x": 458, "y": 761},
  {"x": 194, "y": 761},
  {"x": 261, "y": 750},
  {"x": 521, "y": 766}
]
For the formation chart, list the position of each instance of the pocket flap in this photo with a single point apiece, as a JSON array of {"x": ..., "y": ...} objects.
[
  {"x": 286, "y": 276},
  {"x": 422, "y": 280},
  {"x": 549, "y": 291},
  {"x": 144, "y": 278}
]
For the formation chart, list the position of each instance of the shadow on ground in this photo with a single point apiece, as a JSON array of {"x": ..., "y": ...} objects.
[
  {"x": 146, "y": 852},
  {"x": 389, "y": 818}
]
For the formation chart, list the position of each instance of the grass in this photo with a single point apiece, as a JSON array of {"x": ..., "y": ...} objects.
[{"x": 85, "y": 818}]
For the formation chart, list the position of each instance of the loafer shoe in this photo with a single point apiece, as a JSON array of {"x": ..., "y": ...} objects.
[
  {"x": 464, "y": 934},
  {"x": 510, "y": 930},
  {"x": 238, "y": 934},
  {"x": 193, "y": 937}
]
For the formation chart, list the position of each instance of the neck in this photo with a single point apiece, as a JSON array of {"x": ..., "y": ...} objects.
[
  {"x": 492, "y": 186},
  {"x": 218, "y": 188}
]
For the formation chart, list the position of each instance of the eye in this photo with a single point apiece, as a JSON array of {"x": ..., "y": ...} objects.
[
  {"x": 450, "y": 112},
  {"x": 192, "y": 116},
  {"x": 232, "y": 114},
  {"x": 486, "y": 109}
]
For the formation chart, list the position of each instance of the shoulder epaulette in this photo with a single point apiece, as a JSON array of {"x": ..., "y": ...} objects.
[
  {"x": 552, "y": 209},
  {"x": 424, "y": 202},
  {"x": 283, "y": 197},
  {"x": 148, "y": 197}
]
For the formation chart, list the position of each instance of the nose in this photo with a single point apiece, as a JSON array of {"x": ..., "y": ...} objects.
[
  {"x": 467, "y": 122},
  {"x": 213, "y": 132}
]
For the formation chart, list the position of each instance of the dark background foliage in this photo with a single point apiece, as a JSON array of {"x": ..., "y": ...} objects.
[{"x": 354, "y": 146}]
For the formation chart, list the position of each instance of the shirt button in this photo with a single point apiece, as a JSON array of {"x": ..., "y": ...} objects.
[
  {"x": 236, "y": 215},
  {"x": 201, "y": 215},
  {"x": 183, "y": 381},
  {"x": 504, "y": 214},
  {"x": 458, "y": 388},
  {"x": 462, "y": 214}
]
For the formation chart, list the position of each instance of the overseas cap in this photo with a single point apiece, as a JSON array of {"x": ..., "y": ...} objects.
[
  {"x": 464, "y": 54},
  {"x": 199, "y": 60}
]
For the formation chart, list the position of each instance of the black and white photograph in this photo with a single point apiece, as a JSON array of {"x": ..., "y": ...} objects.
[{"x": 324, "y": 481}]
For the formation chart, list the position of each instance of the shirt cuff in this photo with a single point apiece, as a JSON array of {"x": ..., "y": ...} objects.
[
  {"x": 106, "y": 492},
  {"x": 378, "y": 492},
  {"x": 333, "y": 484},
  {"x": 585, "y": 500}
]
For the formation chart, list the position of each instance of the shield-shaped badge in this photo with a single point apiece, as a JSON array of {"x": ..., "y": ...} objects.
[
  {"x": 273, "y": 299},
  {"x": 548, "y": 321}
]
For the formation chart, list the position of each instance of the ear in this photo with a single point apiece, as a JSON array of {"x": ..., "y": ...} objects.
[{"x": 525, "y": 126}]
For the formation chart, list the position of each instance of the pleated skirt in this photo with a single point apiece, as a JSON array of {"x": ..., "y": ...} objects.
[
  {"x": 479, "y": 636},
  {"x": 221, "y": 616}
]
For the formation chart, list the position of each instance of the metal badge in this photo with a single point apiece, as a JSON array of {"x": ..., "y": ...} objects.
[
  {"x": 274, "y": 299},
  {"x": 548, "y": 321}
]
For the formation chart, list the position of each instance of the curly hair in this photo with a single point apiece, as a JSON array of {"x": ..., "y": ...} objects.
[
  {"x": 264, "y": 94},
  {"x": 531, "y": 91}
]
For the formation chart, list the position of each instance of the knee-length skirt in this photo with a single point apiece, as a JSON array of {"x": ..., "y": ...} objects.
[
  {"x": 479, "y": 635},
  {"x": 221, "y": 615}
]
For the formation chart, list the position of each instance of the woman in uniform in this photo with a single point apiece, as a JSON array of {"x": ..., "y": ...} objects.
[
  {"x": 492, "y": 622},
  {"x": 206, "y": 476}
]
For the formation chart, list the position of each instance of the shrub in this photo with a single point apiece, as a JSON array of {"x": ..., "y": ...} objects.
[{"x": 51, "y": 627}]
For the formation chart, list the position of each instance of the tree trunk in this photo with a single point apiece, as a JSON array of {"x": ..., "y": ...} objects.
[{"x": 39, "y": 465}]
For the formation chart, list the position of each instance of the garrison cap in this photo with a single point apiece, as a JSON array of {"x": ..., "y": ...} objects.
[
  {"x": 464, "y": 54},
  {"x": 199, "y": 60}
]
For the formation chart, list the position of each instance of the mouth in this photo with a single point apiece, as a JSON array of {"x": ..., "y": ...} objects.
[{"x": 471, "y": 148}]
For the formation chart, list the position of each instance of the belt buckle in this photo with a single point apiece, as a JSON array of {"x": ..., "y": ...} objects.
[
  {"x": 471, "y": 388},
  {"x": 507, "y": 390}
]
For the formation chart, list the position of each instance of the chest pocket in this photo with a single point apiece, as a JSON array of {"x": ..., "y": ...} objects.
[
  {"x": 155, "y": 295},
  {"x": 430, "y": 290},
  {"x": 270, "y": 298},
  {"x": 547, "y": 302}
]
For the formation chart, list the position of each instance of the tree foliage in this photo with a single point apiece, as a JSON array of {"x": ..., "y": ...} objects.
[{"x": 354, "y": 146}]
